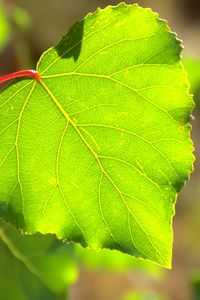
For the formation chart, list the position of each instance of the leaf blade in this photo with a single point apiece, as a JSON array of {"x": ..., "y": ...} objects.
[{"x": 111, "y": 149}]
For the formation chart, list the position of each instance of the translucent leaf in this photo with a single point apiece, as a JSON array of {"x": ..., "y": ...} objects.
[{"x": 97, "y": 149}]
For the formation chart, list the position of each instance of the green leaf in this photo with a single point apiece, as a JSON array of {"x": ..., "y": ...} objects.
[
  {"x": 4, "y": 28},
  {"x": 37, "y": 267},
  {"x": 192, "y": 66},
  {"x": 195, "y": 284},
  {"x": 21, "y": 18},
  {"x": 141, "y": 295},
  {"x": 115, "y": 261},
  {"x": 97, "y": 150}
]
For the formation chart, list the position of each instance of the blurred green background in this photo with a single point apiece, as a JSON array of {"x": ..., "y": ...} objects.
[{"x": 27, "y": 28}]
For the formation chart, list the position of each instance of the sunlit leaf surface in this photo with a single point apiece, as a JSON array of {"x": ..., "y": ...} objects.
[{"x": 97, "y": 150}]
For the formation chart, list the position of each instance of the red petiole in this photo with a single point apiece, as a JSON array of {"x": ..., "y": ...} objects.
[{"x": 24, "y": 73}]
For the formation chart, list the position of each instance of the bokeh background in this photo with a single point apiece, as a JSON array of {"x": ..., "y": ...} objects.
[{"x": 35, "y": 25}]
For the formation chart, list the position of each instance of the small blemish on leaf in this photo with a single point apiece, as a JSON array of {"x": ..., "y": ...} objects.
[
  {"x": 181, "y": 127},
  {"x": 52, "y": 181}
]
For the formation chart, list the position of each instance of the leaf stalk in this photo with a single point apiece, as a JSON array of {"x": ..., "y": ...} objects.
[{"x": 23, "y": 73}]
